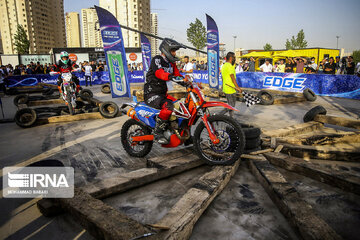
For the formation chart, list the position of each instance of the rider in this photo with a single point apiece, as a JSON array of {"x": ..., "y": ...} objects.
[
  {"x": 162, "y": 69},
  {"x": 65, "y": 65}
]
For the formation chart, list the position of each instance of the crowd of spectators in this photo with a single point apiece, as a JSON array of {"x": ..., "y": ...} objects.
[
  {"x": 37, "y": 68},
  {"x": 330, "y": 65}
]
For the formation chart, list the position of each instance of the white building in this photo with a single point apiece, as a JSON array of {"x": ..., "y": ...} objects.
[
  {"x": 154, "y": 30},
  {"x": 130, "y": 13},
  {"x": 90, "y": 33}
]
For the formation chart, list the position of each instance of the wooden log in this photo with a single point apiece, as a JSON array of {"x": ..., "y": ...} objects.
[
  {"x": 340, "y": 121},
  {"x": 324, "y": 173},
  {"x": 262, "y": 151},
  {"x": 140, "y": 177},
  {"x": 45, "y": 102},
  {"x": 184, "y": 215},
  {"x": 322, "y": 139},
  {"x": 77, "y": 117},
  {"x": 339, "y": 152},
  {"x": 299, "y": 213},
  {"x": 101, "y": 220},
  {"x": 286, "y": 100},
  {"x": 294, "y": 130}
]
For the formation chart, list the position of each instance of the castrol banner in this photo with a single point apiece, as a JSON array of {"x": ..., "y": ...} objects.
[
  {"x": 114, "y": 53},
  {"x": 212, "y": 52}
]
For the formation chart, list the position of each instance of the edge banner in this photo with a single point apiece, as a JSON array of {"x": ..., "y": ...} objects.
[
  {"x": 146, "y": 52},
  {"x": 212, "y": 36},
  {"x": 114, "y": 53}
]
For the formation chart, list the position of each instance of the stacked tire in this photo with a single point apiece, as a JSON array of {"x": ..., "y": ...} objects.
[{"x": 252, "y": 138}]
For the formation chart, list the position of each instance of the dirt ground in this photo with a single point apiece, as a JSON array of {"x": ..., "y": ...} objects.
[{"x": 92, "y": 147}]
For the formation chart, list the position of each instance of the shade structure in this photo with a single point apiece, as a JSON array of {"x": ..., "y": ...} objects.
[{"x": 258, "y": 54}]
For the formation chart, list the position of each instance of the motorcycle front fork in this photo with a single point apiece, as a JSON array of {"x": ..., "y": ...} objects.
[{"x": 210, "y": 129}]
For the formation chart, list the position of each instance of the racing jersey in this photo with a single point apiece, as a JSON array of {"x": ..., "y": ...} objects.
[{"x": 158, "y": 74}]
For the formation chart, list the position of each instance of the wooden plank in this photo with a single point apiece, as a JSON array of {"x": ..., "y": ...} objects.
[
  {"x": 45, "y": 102},
  {"x": 279, "y": 148},
  {"x": 340, "y": 121},
  {"x": 299, "y": 213},
  {"x": 101, "y": 220},
  {"x": 322, "y": 139},
  {"x": 339, "y": 152},
  {"x": 140, "y": 177},
  {"x": 324, "y": 173},
  {"x": 184, "y": 215},
  {"x": 286, "y": 100},
  {"x": 77, "y": 117},
  {"x": 293, "y": 130},
  {"x": 262, "y": 151}
]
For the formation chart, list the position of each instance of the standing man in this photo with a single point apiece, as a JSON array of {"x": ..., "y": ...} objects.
[
  {"x": 88, "y": 73},
  {"x": 330, "y": 67},
  {"x": 350, "y": 66},
  {"x": 252, "y": 65},
  {"x": 266, "y": 67},
  {"x": 300, "y": 64},
  {"x": 188, "y": 67},
  {"x": 229, "y": 82}
]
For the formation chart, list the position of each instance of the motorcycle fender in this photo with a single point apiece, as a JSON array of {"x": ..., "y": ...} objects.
[{"x": 219, "y": 104}]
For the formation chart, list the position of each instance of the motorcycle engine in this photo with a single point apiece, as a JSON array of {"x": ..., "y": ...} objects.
[
  {"x": 173, "y": 122},
  {"x": 167, "y": 134}
]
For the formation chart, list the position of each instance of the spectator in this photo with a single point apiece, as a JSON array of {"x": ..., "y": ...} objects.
[
  {"x": 252, "y": 65},
  {"x": 321, "y": 66},
  {"x": 281, "y": 66},
  {"x": 229, "y": 82},
  {"x": 202, "y": 66},
  {"x": 266, "y": 67},
  {"x": 88, "y": 73},
  {"x": 93, "y": 66},
  {"x": 337, "y": 65},
  {"x": 188, "y": 67},
  {"x": 28, "y": 69},
  {"x": 350, "y": 66},
  {"x": 239, "y": 68},
  {"x": 330, "y": 67},
  {"x": 289, "y": 66},
  {"x": 17, "y": 70},
  {"x": 245, "y": 66},
  {"x": 100, "y": 68},
  {"x": 300, "y": 64},
  {"x": 39, "y": 69},
  {"x": 194, "y": 64},
  {"x": 105, "y": 66},
  {"x": 311, "y": 66}
]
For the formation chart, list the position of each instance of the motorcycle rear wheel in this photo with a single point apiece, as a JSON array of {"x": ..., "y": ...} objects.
[
  {"x": 232, "y": 141},
  {"x": 133, "y": 128}
]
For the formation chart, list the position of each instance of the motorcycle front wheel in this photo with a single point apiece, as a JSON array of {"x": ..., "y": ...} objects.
[
  {"x": 70, "y": 106},
  {"x": 133, "y": 128},
  {"x": 230, "y": 147}
]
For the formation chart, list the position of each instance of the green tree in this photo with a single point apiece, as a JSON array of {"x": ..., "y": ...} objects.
[
  {"x": 268, "y": 47},
  {"x": 356, "y": 56},
  {"x": 298, "y": 42},
  {"x": 196, "y": 34},
  {"x": 22, "y": 43}
]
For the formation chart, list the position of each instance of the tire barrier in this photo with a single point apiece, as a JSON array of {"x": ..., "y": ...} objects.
[{"x": 310, "y": 115}]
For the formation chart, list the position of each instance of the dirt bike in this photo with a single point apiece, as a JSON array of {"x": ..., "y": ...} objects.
[
  {"x": 218, "y": 139},
  {"x": 68, "y": 91}
]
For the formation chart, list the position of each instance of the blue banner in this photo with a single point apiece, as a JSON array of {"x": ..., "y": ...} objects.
[
  {"x": 97, "y": 78},
  {"x": 146, "y": 52},
  {"x": 114, "y": 53},
  {"x": 345, "y": 86},
  {"x": 212, "y": 52}
]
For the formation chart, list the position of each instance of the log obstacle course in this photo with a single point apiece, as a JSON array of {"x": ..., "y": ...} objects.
[
  {"x": 337, "y": 170},
  {"x": 87, "y": 108}
]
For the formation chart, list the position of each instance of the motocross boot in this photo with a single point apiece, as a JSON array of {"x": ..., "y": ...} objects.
[
  {"x": 60, "y": 92},
  {"x": 159, "y": 130}
]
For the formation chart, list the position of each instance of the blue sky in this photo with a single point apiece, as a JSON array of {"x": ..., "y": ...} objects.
[{"x": 257, "y": 22}]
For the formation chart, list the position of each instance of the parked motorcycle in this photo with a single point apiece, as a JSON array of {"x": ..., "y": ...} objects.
[{"x": 218, "y": 139}]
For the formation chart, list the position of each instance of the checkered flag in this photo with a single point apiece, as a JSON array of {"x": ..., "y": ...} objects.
[{"x": 250, "y": 99}]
